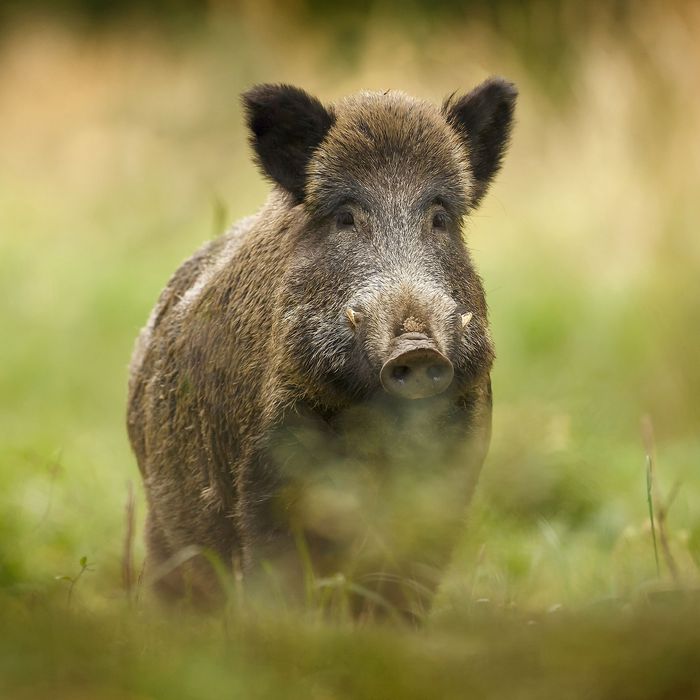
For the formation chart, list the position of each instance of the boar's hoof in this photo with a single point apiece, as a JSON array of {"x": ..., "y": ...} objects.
[{"x": 415, "y": 370}]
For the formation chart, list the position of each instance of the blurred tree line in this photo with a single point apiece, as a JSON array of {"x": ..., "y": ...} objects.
[
  {"x": 331, "y": 12},
  {"x": 545, "y": 35}
]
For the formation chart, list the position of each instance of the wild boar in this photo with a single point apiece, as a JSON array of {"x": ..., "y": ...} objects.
[{"x": 319, "y": 376}]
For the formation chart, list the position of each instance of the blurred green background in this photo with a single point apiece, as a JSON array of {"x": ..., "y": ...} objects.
[{"x": 122, "y": 150}]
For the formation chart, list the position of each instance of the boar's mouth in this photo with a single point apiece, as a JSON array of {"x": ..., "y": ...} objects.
[{"x": 415, "y": 368}]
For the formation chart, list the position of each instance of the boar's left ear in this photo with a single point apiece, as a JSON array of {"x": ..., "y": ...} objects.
[
  {"x": 484, "y": 118},
  {"x": 286, "y": 126}
]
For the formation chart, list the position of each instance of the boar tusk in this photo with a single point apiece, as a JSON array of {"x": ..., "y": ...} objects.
[
  {"x": 351, "y": 317},
  {"x": 466, "y": 318}
]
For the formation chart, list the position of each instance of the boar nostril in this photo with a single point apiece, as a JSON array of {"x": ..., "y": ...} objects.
[
  {"x": 400, "y": 373},
  {"x": 436, "y": 372}
]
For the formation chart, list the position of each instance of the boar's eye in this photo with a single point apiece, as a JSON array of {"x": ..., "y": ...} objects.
[
  {"x": 440, "y": 220},
  {"x": 344, "y": 219}
]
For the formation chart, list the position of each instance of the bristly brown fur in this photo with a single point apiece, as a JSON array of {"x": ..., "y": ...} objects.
[{"x": 249, "y": 348}]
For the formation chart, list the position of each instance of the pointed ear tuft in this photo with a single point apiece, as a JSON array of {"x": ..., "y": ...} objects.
[
  {"x": 286, "y": 126},
  {"x": 483, "y": 118}
]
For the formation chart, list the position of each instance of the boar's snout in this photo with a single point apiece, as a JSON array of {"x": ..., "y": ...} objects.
[{"x": 415, "y": 368}]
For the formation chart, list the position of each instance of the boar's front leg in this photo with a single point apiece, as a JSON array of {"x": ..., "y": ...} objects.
[{"x": 276, "y": 482}]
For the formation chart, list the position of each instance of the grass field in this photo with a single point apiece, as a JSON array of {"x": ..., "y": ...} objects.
[{"x": 122, "y": 150}]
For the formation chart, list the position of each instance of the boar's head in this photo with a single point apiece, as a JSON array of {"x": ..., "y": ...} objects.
[{"x": 380, "y": 291}]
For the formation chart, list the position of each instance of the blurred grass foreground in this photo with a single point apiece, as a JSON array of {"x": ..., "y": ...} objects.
[{"x": 122, "y": 150}]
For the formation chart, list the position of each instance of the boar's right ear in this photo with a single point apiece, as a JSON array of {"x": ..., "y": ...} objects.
[
  {"x": 286, "y": 126},
  {"x": 483, "y": 118}
]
